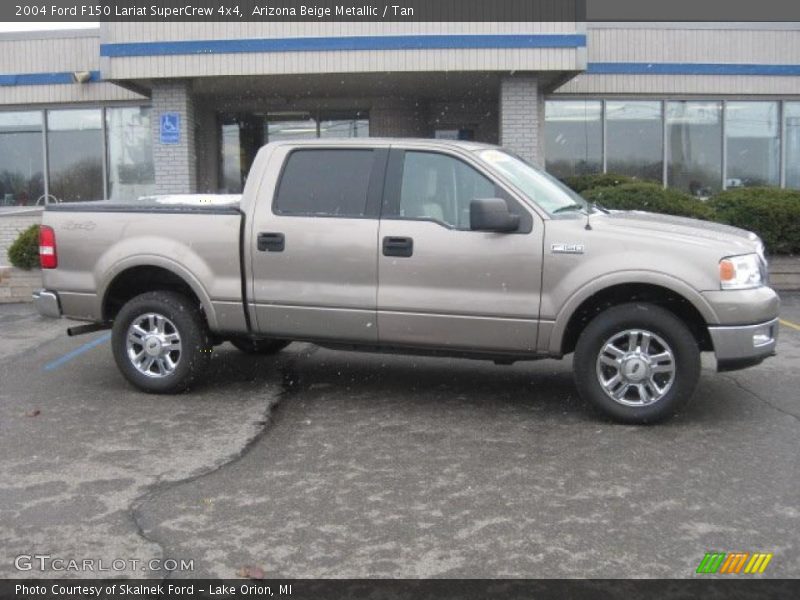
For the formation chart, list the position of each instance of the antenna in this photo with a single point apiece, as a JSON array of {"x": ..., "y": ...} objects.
[{"x": 589, "y": 210}]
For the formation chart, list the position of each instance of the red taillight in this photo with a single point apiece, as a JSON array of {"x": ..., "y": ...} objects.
[{"x": 48, "y": 258}]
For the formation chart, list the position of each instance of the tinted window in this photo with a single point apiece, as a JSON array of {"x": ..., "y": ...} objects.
[
  {"x": 21, "y": 159},
  {"x": 634, "y": 139},
  {"x": 573, "y": 137},
  {"x": 75, "y": 154},
  {"x": 752, "y": 136},
  {"x": 441, "y": 188},
  {"x": 131, "y": 173},
  {"x": 792, "y": 116},
  {"x": 325, "y": 182},
  {"x": 694, "y": 147}
]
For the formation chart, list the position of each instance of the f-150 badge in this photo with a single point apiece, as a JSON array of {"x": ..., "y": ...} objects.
[{"x": 566, "y": 249}]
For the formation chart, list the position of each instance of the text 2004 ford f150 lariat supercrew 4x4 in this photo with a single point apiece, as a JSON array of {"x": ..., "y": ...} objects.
[{"x": 446, "y": 248}]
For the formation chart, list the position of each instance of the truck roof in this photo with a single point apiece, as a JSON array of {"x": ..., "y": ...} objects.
[{"x": 374, "y": 142}]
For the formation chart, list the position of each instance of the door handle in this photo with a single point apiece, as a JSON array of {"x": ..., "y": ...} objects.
[
  {"x": 271, "y": 242},
  {"x": 398, "y": 246}
]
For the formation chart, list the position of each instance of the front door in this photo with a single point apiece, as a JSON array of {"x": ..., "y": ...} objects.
[
  {"x": 314, "y": 254},
  {"x": 441, "y": 284}
]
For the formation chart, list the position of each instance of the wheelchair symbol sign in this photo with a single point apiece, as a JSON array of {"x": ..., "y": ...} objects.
[{"x": 170, "y": 130}]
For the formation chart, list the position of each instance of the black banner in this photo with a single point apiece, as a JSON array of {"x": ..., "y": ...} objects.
[
  {"x": 400, "y": 10},
  {"x": 733, "y": 588},
  {"x": 295, "y": 10}
]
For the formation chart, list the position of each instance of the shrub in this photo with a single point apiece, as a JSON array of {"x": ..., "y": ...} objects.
[
  {"x": 581, "y": 183},
  {"x": 650, "y": 197},
  {"x": 24, "y": 252},
  {"x": 772, "y": 213}
]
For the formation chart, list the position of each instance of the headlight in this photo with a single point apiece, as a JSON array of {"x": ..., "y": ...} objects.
[{"x": 740, "y": 272}]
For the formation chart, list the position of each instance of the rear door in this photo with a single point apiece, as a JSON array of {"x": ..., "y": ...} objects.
[
  {"x": 442, "y": 285},
  {"x": 314, "y": 258}
]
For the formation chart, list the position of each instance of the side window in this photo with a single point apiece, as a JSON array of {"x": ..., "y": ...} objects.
[
  {"x": 440, "y": 187},
  {"x": 325, "y": 182}
]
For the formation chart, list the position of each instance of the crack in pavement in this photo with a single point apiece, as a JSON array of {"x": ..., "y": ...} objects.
[
  {"x": 744, "y": 388},
  {"x": 270, "y": 415}
]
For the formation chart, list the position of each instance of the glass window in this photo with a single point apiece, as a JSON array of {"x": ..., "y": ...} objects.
[
  {"x": 75, "y": 154},
  {"x": 21, "y": 158},
  {"x": 231, "y": 149},
  {"x": 753, "y": 144},
  {"x": 547, "y": 191},
  {"x": 290, "y": 126},
  {"x": 634, "y": 139},
  {"x": 694, "y": 147},
  {"x": 130, "y": 153},
  {"x": 243, "y": 134},
  {"x": 325, "y": 182},
  {"x": 454, "y": 134},
  {"x": 343, "y": 125},
  {"x": 792, "y": 153},
  {"x": 573, "y": 137},
  {"x": 441, "y": 188}
]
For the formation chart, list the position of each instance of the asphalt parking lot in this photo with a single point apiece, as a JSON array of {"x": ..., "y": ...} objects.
[{"x": 334, "y": 464}]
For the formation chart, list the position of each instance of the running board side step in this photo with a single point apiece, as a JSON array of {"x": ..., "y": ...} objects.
[{"x": 90, "y": 328}]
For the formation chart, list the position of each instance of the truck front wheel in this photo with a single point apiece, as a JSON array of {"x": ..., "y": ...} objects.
[
  {"x": 637, "y": 362},
  {"x": 160, "y": 342}
]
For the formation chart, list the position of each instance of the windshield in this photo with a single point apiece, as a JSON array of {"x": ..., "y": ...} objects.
[{"x": 547, "y": 191}]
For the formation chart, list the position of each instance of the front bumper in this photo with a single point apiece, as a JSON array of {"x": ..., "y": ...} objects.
[
  {"x": 741, "y": 346},
  {"x": 47, "y": 303}
]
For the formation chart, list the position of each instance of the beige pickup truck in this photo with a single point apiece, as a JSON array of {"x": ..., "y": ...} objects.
[{"x": 413, "y": 246}]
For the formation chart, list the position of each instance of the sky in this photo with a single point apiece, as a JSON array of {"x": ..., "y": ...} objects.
[{"x": 41, "y": 25}]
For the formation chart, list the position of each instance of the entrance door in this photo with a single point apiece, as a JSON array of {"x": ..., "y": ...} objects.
[
  {"x": 441, "y": 284},
  {"x": 315, "y": 255}
]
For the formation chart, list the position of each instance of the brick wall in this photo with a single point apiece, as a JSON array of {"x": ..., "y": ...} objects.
[
  {"x": 16, "y": 285},
  {"x": 521, "y": 119},
  {"x": 175, "y": 164},
  {"x": 10, "y": 228}
]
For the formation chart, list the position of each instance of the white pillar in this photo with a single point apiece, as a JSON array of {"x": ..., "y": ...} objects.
[
  {"x": 175, "y": 163},
  {"x": 522, "y": 117}
]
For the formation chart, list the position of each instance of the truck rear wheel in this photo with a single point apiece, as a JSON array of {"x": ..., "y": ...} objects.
[
  {"x": 262, "y": 346},
  {"x": 637, "y": 362},
  {"x": 160, "y": 342}
]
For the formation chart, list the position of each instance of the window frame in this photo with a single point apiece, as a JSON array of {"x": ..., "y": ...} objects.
[
  {"x": 372, "y": 208},
  {"x": 390, "y": 207}
]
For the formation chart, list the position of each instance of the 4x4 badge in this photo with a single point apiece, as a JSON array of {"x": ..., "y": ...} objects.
[{"x": 566, "y": 248}]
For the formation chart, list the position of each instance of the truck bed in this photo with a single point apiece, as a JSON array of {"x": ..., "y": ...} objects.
[{"x": 195, "y": 237}]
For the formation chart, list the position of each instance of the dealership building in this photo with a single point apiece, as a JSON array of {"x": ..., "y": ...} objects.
[{"x": 133, "y": 109}]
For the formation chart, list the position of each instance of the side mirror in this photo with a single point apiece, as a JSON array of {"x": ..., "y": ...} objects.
[{"x": 492, "y": 214}]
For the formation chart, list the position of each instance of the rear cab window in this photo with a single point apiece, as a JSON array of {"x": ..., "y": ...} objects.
[{"x": 327, "y": 182}]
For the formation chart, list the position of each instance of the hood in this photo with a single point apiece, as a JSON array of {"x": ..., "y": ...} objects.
[{"x": 669, "y": 226}]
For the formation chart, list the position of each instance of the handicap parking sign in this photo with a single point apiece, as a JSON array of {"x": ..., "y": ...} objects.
[{"x": 170, "y": 128}]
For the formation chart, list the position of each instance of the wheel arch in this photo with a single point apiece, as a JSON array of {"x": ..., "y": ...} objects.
[
  {"x": 673, "y": 295},
  {"x": 133, "y": 278}
]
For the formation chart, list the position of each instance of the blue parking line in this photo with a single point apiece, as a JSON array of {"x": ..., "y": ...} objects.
[{"x": 60, "y": 362}]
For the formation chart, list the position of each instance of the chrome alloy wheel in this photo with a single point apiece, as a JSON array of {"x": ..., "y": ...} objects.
[
  {"x": 636, "y": 367},
  {"x": 153, "y": 345}
]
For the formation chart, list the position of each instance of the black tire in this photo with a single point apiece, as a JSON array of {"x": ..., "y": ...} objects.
[
  {"x": 262, "y": 346},
  {"x": 619, "y": 320},
  {"x": 185, "y": 318}
]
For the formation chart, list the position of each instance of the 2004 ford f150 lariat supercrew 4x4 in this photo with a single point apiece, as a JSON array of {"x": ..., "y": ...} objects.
[{"x": 432, "y": 247}]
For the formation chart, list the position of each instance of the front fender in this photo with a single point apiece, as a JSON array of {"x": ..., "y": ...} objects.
[{"x": 553, "y": 346}]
